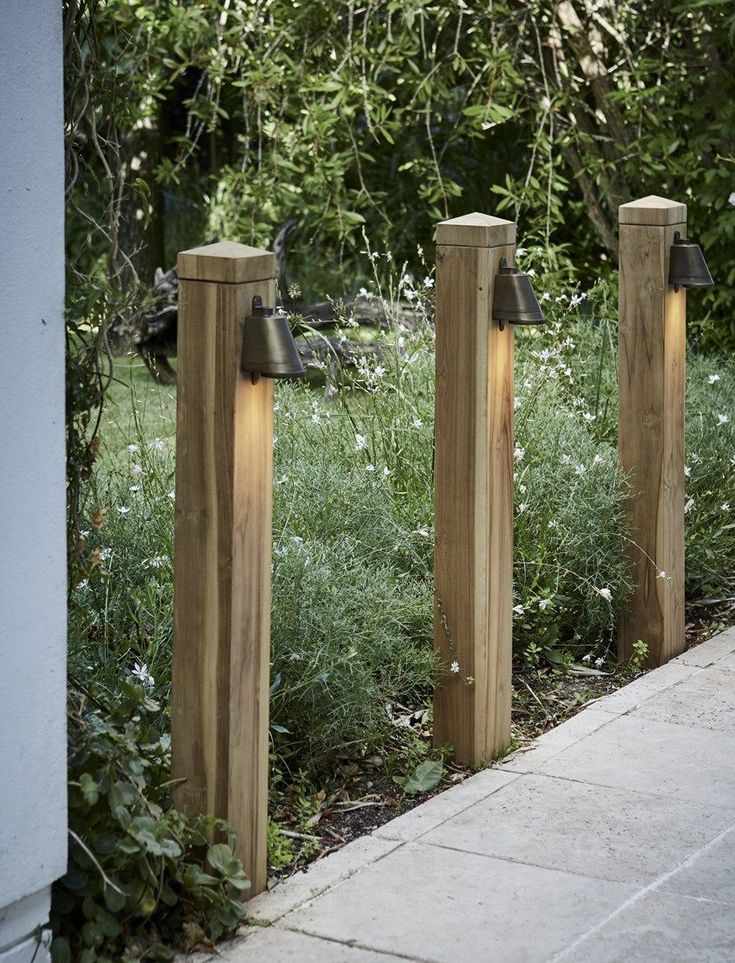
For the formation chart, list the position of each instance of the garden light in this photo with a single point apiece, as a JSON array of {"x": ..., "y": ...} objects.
[
  {"x": 514, "y": 300},
  {"x": 687, "y": 266},
  {"x": 268, "y": 347}
]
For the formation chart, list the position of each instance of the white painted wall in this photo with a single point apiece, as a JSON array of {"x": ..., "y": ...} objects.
[{"x": 32, "y": 529}]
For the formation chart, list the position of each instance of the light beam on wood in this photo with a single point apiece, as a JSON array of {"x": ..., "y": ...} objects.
[
  {"x": 473, "y": 619},
  {"x": 224, "y": 468},
  {"x": 651, "y": 360}
]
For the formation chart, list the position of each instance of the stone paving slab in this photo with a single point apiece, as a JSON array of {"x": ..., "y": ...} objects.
[
  {"x": 438, "y": 809},
  {"x": 705, "y": 701},
  {"x": 606, "y": 833},
  {"x": 611, "y": 839},
  {"x": 719, "y": 648},
  {"x": 288, "y": 946},
  {"x": 322, "y": 875},
  {"x": 658, "y": 928},
  {"x": 709, "y": 875},
  {"x": 440, "y": 905},
  {"x": 659, "y": 758}
]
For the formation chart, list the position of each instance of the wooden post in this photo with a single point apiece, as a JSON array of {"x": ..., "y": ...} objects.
[
  {"x": 651, "y": 358},
  {"x": 473, "y": 617},
  {"x": 223, "y": 549}
]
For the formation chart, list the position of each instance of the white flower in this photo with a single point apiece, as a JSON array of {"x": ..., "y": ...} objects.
[
  {"x": 157, "y": 444},
  {"x": 370, "y": 468},
  {"x": 545, "y": 297},
  {"x": 518, "y": 609},
  {"x": 454, "y": 667},
  {"x": 362, "y": 293},
  {"x": 518, "y": 454},
  {"x": 544, "y": 604},
  {"x": 576, "y": 299},
  {"x": 605, "y": 593},
  {"x": 731, "y": 199},
  {"x": 360, "y": 442},
  {"x": 687, "y": 471},
  {"x": 428, "y": 282},
  {"x": 587, "y": 658},
  {"x": 418, "y": 423},
  {"x": 172, "y": 495},
  {"x": 83, "y": 584},
  {"x": 689, "y": 506},
  {"x": 662, "y": 574},
  {"x": 580, "y": 469},
  {"x": 713, "y": 378},
  {"x": 141, "y": 672},
  {"x": 520, "y": 251},
  {"x": 137, "y": 469},
  {"x": 531, "y": 272},
  {"x": 725, "y": 507},
  {"x": 156, "y": 562},
  {"x": 597, "y": 460},
  {"x": 122, "y": 509},
  {"x": 589, "y": 417},
  {"x": 316, "y": 417},
  {"x": 133, "y": 449},
  {"x": 599, "y": 663},
  {"x": 722, "y": 420},
  {"x": 522, "y": 508},
  {"x": 409, "y": 295},
  {"x": 386, "y": 471}
]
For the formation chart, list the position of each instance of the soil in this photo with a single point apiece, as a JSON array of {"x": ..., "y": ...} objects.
[{"x": 361, "y": 794}]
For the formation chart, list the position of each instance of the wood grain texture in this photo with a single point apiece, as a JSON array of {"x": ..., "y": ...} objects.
[
  {"x": 221, "y": 651},
  {"x": 226, "y": 262},
  {"x": 651, "y": 363},
  {"x": 473, "y": 505},
  {"x": 476, "y": 230},
  {"x": 653, "y": 211}
]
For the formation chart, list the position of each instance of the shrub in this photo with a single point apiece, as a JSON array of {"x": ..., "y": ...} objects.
[{"x": 142, "y": 878}]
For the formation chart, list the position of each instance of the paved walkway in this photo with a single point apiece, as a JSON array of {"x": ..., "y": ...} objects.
[{"x": 612, "y": 839}]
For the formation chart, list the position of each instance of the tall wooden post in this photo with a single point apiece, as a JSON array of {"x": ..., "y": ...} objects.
[
  {"x": 651, "y": 358},
  {"x": 223, "y": 549},
  {"x": 473, "y": 617}
]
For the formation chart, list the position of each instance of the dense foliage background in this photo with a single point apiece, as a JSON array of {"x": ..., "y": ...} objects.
[{"x": 187, "y": 118}]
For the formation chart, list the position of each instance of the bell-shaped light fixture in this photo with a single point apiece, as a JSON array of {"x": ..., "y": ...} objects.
[
  {"x": 687, "y": 266},
  {"x": 514, "y": 300},
  {"x": 268, "y": 347}
]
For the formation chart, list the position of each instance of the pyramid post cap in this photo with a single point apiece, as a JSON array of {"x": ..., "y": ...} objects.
[
  {"x": 476, "y": 230},
  {"x": 653, "y": 211},
  {"x": 226, "y": 262}
]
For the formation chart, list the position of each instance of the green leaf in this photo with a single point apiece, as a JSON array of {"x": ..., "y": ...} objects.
[
  {"x": 426, "y": 776},
  {"x": 89, "y": 787},
  {"x": 114, "y": 901},
  {"x": 219, "y": 857}
]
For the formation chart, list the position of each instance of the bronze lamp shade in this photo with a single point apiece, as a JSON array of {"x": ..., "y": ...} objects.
[
  {"x": 268, "y": 347},
  {"x": 687, "y": 266},
  {"x": 514, "y": 300}
]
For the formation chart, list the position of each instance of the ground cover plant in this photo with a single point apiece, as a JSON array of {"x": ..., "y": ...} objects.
[{"x": 353, "y": 666}]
